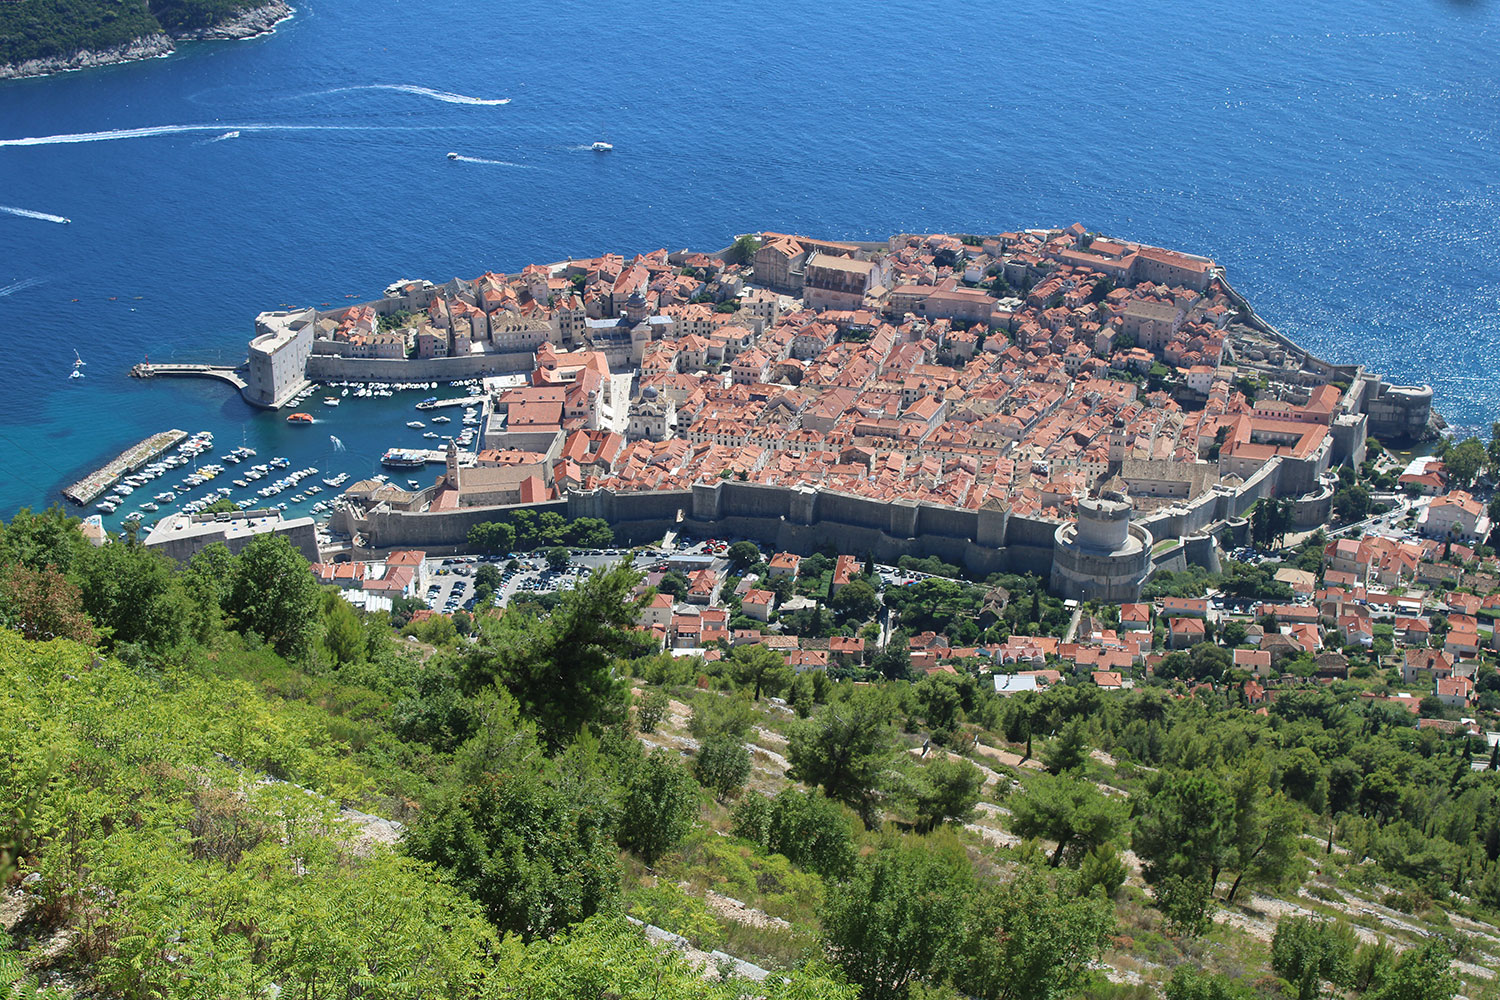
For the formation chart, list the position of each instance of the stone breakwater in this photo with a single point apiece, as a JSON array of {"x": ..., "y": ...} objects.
[{"x": 249, "y": 23}]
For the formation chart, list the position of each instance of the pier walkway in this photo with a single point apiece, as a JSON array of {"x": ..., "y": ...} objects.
[
  {"x": 233, "y": 374},
  {"x": 87, "y": 489}
]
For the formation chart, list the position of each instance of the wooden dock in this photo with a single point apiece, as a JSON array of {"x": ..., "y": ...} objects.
[{"x": 96, "y": 484}]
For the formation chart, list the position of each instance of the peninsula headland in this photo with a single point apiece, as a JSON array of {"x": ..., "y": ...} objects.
[
  {"x": 41, "y": 37},
  {"x": 1053, "y": 401}
]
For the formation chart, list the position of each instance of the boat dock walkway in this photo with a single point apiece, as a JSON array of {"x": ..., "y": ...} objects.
[
  {"x": 438, "y": 404},
  {"x": 94, "y": 485},
  {"x": 233, "y": 374}
]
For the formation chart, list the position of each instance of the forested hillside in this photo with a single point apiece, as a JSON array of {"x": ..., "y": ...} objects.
[
  {"x": 219, "y": 780},
  {"x": 41, "y": 29}
]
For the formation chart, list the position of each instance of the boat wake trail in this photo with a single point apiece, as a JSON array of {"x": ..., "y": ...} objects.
[
  {"x": 19, "y": 286},
  {"x": 26, "y": 213},
  {"x": 436, "y": 95},
  {"x": 154, "y": 130},
  {"x": 221, "y": 138},
  {"x": 337, "y": 444},
  {"x": 496, "y": 163}
]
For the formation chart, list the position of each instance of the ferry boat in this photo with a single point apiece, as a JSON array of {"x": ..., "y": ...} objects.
[
  {"x": 404, "y": 458},
  {"x": 300, "y": 418}
]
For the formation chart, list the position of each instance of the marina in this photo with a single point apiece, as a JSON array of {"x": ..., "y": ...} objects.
[
  {"x": 96, "y": 484},
  {"x": 298, "y": 474}
]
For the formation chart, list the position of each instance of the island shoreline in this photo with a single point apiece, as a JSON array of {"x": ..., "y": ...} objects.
[{"x": 253, "y": 22}]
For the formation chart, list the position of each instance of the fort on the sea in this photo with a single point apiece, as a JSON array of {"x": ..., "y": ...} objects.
[{"x": 1049, "y": 401}]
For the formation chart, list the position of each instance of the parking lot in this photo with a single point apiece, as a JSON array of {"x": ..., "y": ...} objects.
[{"x": 453, "y": 578}]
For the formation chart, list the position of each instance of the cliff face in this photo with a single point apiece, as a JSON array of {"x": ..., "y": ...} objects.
[
  {"x": 148, "y": 47},
  {"x": 247, "y": 23}
]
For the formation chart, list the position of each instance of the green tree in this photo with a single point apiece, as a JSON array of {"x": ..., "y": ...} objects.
[
  {"x": 37, "y": 541},
  {"x": 493, "y": 537},
  {"x": 1265, "y": 831},
  {"x": 532, "y": 839},
  {"x": 806, "y": 828},
  {"x": 343, "y": 633},
  {"x": 1102, "y": 867},
  {"x": 1069, "y": 811},
  {"x": 273, "y": 594},
  {"x": 659, "y": 803},
  {"x": 650, "y": 709},
  {"x": 846, "y": 749},
  {"x": 1307, "y": 952},
  {"x": 743, "y": 555},
  {"x": 1422, "y": 973},
  {"x": 899, "y": 917},
  {"x": 760, "y": 668},
  {"x": 1069, "y": 751},
  {"x": 945, "y": 790},
  {"x": 1189, "y": 983},
  {"x": 713, "y": 714},
  {"x": 1464, "y": 461},
  {"x": 1352, "y": 503},
  {"x": 1033, "y": 938},
  {"x": 722, "y": 765},
  {"x": 562, "y": 668},
  {"x": 856, "y": 601},
  {"x": 1183, "y": 835},
  {"x": 558, "y": 558},
  {"x": 133, "y": 595},
  {"x": 893, "y": 662},
  {"x": 674, "y": 585}
]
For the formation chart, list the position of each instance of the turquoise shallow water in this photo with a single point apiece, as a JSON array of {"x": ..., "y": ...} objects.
[{"x": 1340, "y": 159}]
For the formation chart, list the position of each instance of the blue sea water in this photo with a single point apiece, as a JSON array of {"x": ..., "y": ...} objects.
[{"x": 1339, "y": 159}]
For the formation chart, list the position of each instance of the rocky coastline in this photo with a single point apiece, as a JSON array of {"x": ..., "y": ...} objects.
[{"x": 249, "y": 23}]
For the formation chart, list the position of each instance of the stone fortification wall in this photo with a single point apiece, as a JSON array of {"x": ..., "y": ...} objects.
[
  {"x": 393, "y": 529},
  {"x": 805, "y": 519},
  {"x": 1173, "y": 560},
  {"x": 327, "y": 368}
]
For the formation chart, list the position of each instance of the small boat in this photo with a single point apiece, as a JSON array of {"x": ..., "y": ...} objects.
[
  {"x": 429, "y": 434},
  {"x": 331, "y": 401},
  {"x": 415, "y": 425},
  {"x": 78, "y": 361},
  {"x": 601, "y": 147},
  {"x": 413, "y": 484},
  {"x": 452, "y": 156},
  {"x": 300, "y": 418},
  {"x": 75, "y": 374},
  {"x": 441, "y": 420}
]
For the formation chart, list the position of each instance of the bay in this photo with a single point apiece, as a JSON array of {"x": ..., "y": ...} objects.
[{"x": 1340, "y": 160}]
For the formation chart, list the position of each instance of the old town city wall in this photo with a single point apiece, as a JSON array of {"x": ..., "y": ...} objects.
[{"x": 806, "y": 519}]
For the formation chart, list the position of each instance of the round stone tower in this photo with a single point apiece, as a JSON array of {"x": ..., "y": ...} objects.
[{"x": 1102, "y": 556}]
